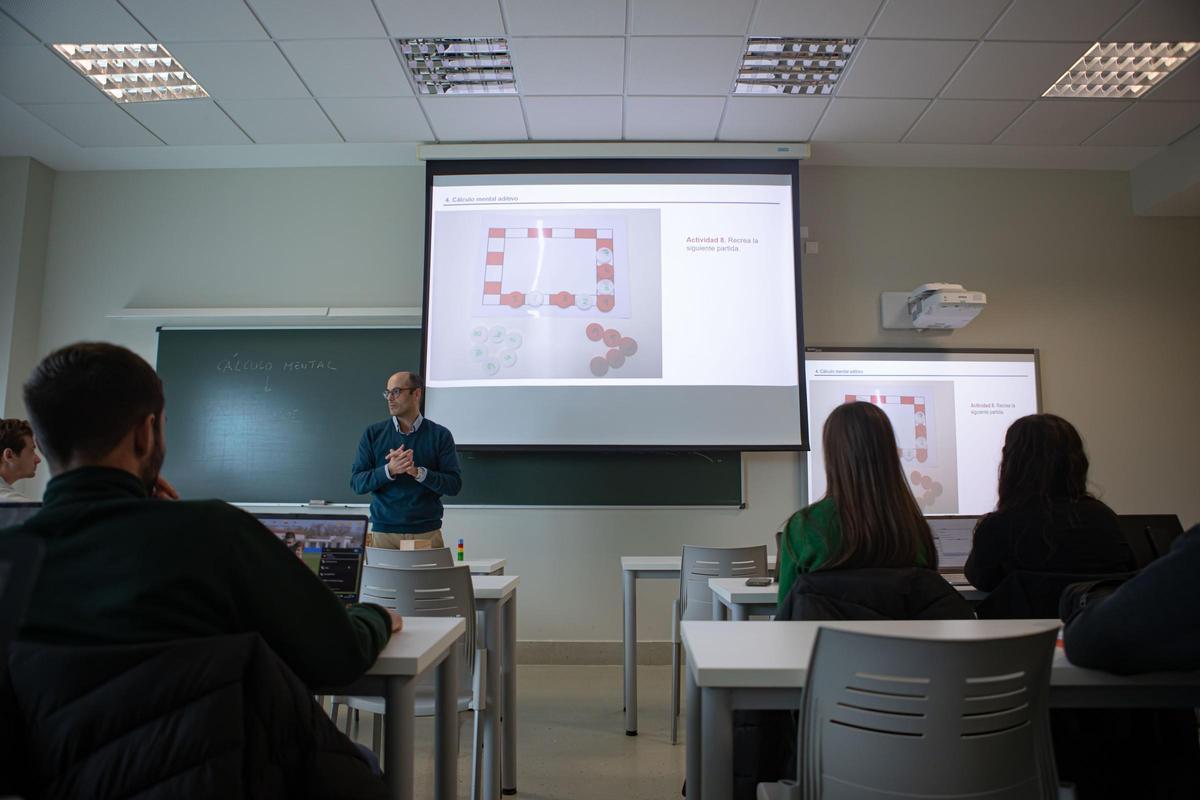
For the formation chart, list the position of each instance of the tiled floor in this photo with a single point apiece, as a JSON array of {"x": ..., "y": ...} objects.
[{"x": 571, "y": 740}]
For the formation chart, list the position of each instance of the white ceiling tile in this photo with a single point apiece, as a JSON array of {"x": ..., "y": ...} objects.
[
  {"x": 1058, "y": 20},
  {"x": 780, "y": 118},
  {"x": 316, "y": 19},
  {"x": 33, "y": 74},
  {"x": 689, "y": 17},
  {"x": 293, "y": 121},
  {"x": 554, "y": 17},
  {"x": 856, "y": 120},
  {"x": 1148, "y": 124},
  {"x": 886, "y": 68},
  {"x": 77, "y": 21},
  {"x": 965, "y": 121},
  {"x": 94, "y": 124},
  {"x": 349, "y": 67},
  {"x": 1182, "y": 84},
  {"x": 12, "y": 33},
  {"x": 673, "y": 118},
  {"x": 187, "y": 122},
  {"x": 1159, "y": 21},
  {"x": 1060, "y": 121},
  {"x": 405, "y": 18},
  {"x": 239, "y": 70},
  {"x": 475, "y": 118},
  {"x": 1012, "y": 70},
  {"x": 684, "y": 65},
  {"x": 565, "y": 65},
  {"x": 813, "y": 17},
  {"x": 563, "y": 118},
  {"x": 189, "y": 21},
  {"x": 936, "y": 19},
  {"x": 384, "y": 119}
]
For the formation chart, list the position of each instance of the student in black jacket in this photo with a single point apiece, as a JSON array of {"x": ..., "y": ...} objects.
[{"x": 1045, "y": 519}]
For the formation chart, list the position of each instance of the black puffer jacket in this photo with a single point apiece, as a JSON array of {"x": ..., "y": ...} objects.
[
  {"x": 213, "y": 717},
  {"x": 875, "y": 593}
]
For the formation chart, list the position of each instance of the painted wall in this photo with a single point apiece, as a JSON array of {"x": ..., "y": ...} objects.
[{"x": 1108, "y": 298}]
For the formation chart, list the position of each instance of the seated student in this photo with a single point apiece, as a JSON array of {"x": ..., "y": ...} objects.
[
  {"x": 1045, "y": 520},
  {"x": 124, "y": 566},
  {"x": 18, "y": 458}
]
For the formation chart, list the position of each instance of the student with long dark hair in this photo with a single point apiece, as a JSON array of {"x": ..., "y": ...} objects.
[
  {"x": 1045, "y": 518},
  {"x": 868, "y": 516}
]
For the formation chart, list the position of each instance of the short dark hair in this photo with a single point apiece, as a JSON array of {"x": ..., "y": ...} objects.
[
  {"x": 415, "y": 381},
  {"x": 13, "y": 433},
  {"x": 84, "y": 398}
]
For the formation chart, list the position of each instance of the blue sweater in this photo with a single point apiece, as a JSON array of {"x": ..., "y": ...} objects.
[{"x": 402, "y": 504}]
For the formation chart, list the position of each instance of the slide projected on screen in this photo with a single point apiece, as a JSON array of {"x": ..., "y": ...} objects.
[
  {"x": 583, "y": 308},
  {"x": 950, "y": 410}
]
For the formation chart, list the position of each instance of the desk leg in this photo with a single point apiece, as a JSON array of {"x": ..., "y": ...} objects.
[
  {"x": 629, "y": 584},
  {"x": 398, "y": 736},
  {"x": 694, "y": 737},
  {"x": 445, "y": 749},
  {"x": 493, "y": 635},
  {"x": 717, "y": 745},
  {"x": 718, "y": 610},
  {"x": 740, "y": 611},
  {"x": 508, "y": 677}
]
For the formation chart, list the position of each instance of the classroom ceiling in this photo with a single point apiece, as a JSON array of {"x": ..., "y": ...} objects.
[{"x": 320, "y": 82}]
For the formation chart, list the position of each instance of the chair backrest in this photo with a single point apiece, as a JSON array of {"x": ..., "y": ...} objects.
[
  {"x": 890, "y": 717},
  {"x": 409, "y": 559},
  {"x": 701, "y": 563},
  {"x": 425, "y": 592}
]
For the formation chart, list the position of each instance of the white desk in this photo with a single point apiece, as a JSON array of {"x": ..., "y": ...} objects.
[
  {"x": 424, "y": 643},
  {"x": 632, "y": 568},
  {"x": 733, "y": 599},
  {"x": 764, "y": 665},
  {"x": 496, "y": 597},
  {"x": 485, "y": 566}
]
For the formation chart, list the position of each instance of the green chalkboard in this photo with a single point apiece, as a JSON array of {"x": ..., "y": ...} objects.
[{"x": 274, "y": 416}]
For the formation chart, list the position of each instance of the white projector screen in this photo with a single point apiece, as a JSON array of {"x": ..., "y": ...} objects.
[
  {"x": 630, "y": 304},
  {"x": 950, "y": 410}
]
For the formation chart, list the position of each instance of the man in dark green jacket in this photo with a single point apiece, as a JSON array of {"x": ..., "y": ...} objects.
[{"x": 124, "y": 564}]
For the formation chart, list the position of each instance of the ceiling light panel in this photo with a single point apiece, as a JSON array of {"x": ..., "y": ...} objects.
[
  {"x": 1121, "y": 69},
  {"x": 773, "y": 65},
  {"x": 459, "y": 66},
  {"x": 132, "y": 73}
]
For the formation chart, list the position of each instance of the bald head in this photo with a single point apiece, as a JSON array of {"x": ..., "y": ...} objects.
[
  {"x": 404, "y": 395},
  {"x": 404, "y": 380}
]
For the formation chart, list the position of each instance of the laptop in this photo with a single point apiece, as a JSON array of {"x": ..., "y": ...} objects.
[
  {"x": 12, "y": 514},
  {"x": 1150, "y": 535},
  {"x": 332, "y": 545},
  {"x": 952, "y": 537}
]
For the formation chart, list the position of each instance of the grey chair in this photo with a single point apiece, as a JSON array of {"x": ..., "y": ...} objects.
[
  {"x": 695, "y": 598},
  {"x": 429, "y": 592},
  {"x": 890, "y": 717},
  {"x": 409, "y": 559}
]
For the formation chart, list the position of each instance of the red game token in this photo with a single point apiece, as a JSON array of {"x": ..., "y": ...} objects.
[
  {"x": 615, "y": 359},
  {"x": 628, "y": 347},
  {"x": 599, "y": 366},
  {"x": 612, "y": 337},
  {"x": 595, "y": 331}
]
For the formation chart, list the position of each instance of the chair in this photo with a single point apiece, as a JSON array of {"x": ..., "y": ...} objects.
[
  {"x": 429, "y": 592},
  {"x": 409, "y": 559},
  {"x": 695, "y": 598},
  {"x": 890, "y": 717}
]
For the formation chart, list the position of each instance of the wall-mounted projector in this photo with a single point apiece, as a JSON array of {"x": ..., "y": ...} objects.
[{"x": 931, "y": 306}]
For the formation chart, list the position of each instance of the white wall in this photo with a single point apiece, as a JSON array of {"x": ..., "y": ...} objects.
[{"x": 1106, "y": 296}]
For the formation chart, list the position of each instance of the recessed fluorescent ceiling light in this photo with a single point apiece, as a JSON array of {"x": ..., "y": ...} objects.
[
  {"x": 132, "y": 73},
  {"x": 792, "y": 66},
  {"x": 1121, "y": 69},
  {"x": 459, "y": 66}
]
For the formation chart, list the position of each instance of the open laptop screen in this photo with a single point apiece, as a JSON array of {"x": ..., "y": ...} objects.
[
  {"x": 952, "y": 538},
  {"x": 332, "y": 545},
  {"x": 15, "y": 513}
]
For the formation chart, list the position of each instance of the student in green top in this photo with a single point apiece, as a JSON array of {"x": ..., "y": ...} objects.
[{"x": 868, "y": 517}]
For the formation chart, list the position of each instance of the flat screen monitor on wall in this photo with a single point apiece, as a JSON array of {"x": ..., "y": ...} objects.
[
  {"x": 949, "y": 409},
  {"x": 638, "y": 304}
]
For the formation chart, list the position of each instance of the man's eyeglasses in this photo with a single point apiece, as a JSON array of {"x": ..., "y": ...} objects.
[{"x": 394, "y": 394}]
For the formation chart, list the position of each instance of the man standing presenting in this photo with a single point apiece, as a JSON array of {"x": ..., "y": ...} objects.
[
  {"x": 18, "y": 458},
  {"x": 407, "y": 462}
]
